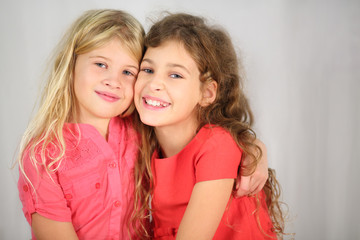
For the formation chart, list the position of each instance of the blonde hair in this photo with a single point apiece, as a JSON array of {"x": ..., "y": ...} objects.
[
  {"x": 57, "y": 106},
  {"x": 212, "y": 50}
]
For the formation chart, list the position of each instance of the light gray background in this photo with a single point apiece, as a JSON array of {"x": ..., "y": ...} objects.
[{"x": 303, "y": 65}]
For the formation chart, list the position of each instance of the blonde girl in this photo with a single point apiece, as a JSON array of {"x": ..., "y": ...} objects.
[
  {"x": 77, "y": 155},
  {"x": 189, "y": 94}
]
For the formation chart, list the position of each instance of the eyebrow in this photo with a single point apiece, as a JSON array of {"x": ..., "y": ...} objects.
[
  {"x": 108, "y": 59},
  {"x": 98, "y": 56},
  {"x": 169, "y": 64}
]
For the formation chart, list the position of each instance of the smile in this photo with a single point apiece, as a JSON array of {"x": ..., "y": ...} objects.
[
  {"x": 109, "y": 97},
  {"x": 156, "y": 103}
]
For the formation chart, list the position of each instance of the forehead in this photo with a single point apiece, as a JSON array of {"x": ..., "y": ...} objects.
[
  {"x": 115, "y": 49},
  {"x": 171, "y": 52}
]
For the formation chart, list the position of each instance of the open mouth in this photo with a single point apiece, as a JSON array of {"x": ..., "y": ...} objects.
[{"x": 156, "y": 103}]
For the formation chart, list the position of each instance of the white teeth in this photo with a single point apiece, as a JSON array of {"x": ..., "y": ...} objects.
[{"x": 155, "y": 103}]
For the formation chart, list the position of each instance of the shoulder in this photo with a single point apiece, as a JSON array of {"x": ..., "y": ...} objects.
[
  {"x": 218, "y": 155},
  {"x": 47, "y": 155},
  {"x": 213, "y": 131},
  {"x": 212, "y": 136},
  {"x": 216, "y": 142},
  {"x": 39, "y": 153}
]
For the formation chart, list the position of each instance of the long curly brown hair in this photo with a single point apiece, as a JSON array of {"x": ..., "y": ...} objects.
[{"x": 215, "y": 56}]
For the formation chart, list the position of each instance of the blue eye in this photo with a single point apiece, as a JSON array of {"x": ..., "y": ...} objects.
[
  {"x": 126, "y": 72},
  {"x": 102, "y": 65},
  {"x": 147, "y": 70},
  {"x": 175, "y": 75}
]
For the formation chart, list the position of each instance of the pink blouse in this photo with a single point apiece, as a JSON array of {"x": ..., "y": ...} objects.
[{"x": 93, "y": 187}]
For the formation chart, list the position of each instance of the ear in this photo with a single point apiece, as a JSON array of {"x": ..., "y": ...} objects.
[{"x": 209, "y": 93}]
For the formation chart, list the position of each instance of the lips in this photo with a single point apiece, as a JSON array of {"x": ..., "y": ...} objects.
[{"x": 109, "y": 97}]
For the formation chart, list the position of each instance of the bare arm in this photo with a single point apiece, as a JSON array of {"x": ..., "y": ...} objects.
[
  {"x": 205, "y": 209},
  {"x": 250, "y": 185},
  {"x": 45, "y": 228}
]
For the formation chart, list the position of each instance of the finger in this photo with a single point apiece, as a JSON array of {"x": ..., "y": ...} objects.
[
  {"x": 256, "y": 187},
  {"x": 244, "y": 186},
  {"x": 254, "y": 191},
  {"x": 238, "y": 182}
]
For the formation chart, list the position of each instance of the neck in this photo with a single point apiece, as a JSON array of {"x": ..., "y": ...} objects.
[
  {"x": 103, "y": 128},
  {"x": 102, "y": 125},
  {"x": 173, "y": 139}
]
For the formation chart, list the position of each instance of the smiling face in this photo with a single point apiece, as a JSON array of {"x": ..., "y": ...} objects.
[
  {"x": 103, "y": 83},
  {"x": 168, "y": 88}
]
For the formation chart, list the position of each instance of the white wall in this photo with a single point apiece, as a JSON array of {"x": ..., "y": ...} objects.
[{"x": 303, "y": 66}]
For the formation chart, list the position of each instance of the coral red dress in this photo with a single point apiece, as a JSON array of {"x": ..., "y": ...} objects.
[{"x": 212, "y": 154}]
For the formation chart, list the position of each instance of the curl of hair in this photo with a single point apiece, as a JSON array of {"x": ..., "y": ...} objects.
[
  {"x": 57, "y": 106},
  {"x": 212, "y": 50}
]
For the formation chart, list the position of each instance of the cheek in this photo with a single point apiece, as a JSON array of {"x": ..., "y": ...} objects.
[
  {"x": 129, "y": 94},
  {"x": 77, "y": 89},
  {"x": 129, "y": 87},
  {"x": 137, "y": 88},
  {"x": 80, "y": 83}
]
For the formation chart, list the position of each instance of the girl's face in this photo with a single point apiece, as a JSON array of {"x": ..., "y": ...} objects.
[
  {"x": 103, "y": 82},
  {"x": 168, "y": 87}
]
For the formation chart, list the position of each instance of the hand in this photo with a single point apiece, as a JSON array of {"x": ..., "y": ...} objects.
[{"x": 251, "y": 185}]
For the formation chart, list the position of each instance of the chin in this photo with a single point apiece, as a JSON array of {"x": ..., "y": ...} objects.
[{"x": 148, "y": 122}]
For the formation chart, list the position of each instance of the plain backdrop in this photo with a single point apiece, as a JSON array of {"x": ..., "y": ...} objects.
[{"x": 302, "y": 60}]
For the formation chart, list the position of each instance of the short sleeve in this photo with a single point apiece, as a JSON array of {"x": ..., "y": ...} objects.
[
  {"x": 44, "y": 195},
  {"x": 219, "y": 157}
]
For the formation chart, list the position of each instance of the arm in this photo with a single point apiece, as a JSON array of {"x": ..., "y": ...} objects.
[
  {"x": 43, "y": 199},
  {"x": 45, "y": 228},
  {"x": 250, "y": 185},
  {"x": 205, "y": 209}
]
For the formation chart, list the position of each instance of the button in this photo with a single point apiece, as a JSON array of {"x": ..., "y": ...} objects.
[
  {"x": 97, "y": 185},
  {"x": 117, "y": 203},
  {"x": 112, "y": 165},
  {"x": 68, "y": 196},
  {"x": 25, "y": 188}
]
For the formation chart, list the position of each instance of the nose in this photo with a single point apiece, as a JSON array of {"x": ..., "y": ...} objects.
[
  {"x": 113, "y": 80},
  {"x": 156, "y": 83}
]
